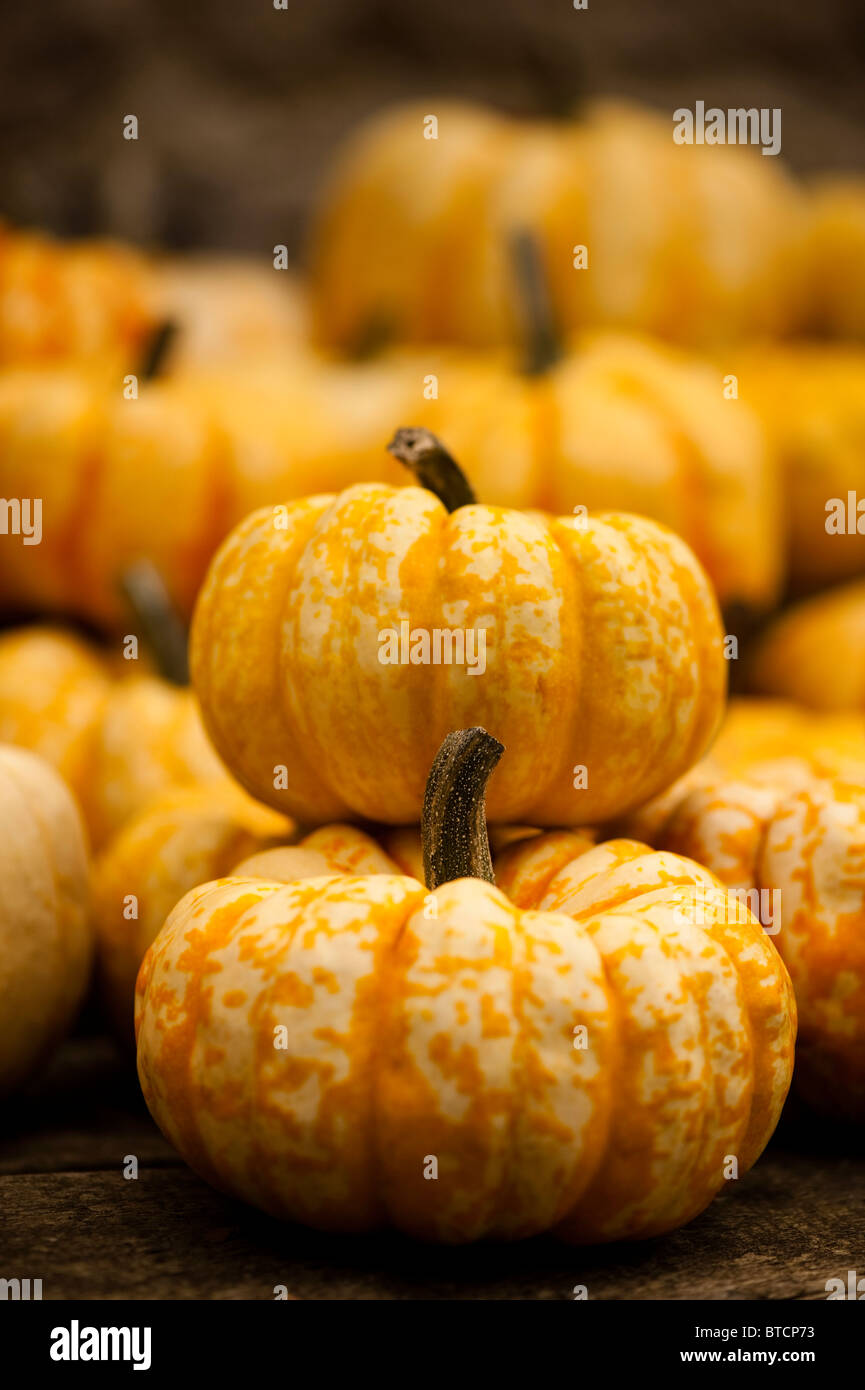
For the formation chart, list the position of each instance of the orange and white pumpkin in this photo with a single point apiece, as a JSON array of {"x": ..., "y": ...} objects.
[{"x": 357, "y": 1050}]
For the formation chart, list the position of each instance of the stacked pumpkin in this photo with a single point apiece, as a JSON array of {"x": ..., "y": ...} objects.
[
  {"x": 347, "y": 987},
  {"x": 322, "y": 1032}
]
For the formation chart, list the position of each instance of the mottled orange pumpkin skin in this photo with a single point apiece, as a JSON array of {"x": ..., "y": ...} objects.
[
  {"x": 782, "y": 829},
  {"x": 185, "y": 837},
  {"x": 603, "y": 649},
  {"x": 86, "y": 301},
  {"x": 442, "y": 1027}
]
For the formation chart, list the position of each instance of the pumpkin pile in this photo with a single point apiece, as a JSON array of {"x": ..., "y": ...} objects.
[{"x": 418, "y": 851}]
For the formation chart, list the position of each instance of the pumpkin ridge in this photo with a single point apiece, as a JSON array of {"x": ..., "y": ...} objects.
[{"x": 676, "y": 1211}]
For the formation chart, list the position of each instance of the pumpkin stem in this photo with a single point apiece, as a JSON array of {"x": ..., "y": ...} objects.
[
  {"x": 164, "y": 633},
  {"x": 543, "y": 347},
  {"x": 433, "y": 467},
  {"x": 155, "y": 350},
  {"x": 453, "y": 825},
  {"x": 371, "y": 339}
]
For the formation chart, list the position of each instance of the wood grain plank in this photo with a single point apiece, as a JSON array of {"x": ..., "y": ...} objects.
[{"x": 797, "y": 1220}]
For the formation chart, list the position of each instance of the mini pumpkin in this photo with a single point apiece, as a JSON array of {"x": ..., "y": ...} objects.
[
  {"x": 814, "y": 653},
  {"x": 323, "y": 1047},
  {"x": 162, "y": 476},
  {"x": 88, "y": 300},
  {"x": 619, "y": 422},
  {"x": 99, "y": 303},
  {"x": 193, "y": 834},
  {"x": 45, "y": 935},
  {"x": 413, "y": 234},
  {"x": 781, "y": 820},
  {"x": 837, "y": 215},
  {"x": 119, "y": 743},
  {"x": 595, "y": 645},
  {"x": 810, "y": 398},
  {"x": 183, "y": 838},
  {"x": 795, "y": 845}
]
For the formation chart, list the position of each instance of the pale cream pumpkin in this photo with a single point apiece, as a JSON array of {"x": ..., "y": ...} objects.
[{"x": 46, "y": 940}]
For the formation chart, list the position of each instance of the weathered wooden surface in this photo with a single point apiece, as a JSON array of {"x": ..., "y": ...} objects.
[{"x": 69, "y": 1217}]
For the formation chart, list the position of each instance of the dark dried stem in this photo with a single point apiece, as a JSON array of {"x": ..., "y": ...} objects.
[
  {"x": 155, "y": 352},
  {"x": 543, "y": 346},
  {"x": 454, "y": 826},
  {"x": 433, "y": 466}
]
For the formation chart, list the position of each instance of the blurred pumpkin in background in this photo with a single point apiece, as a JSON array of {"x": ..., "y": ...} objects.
[
  {"x": 228, "y": 309},
  {"x": 774, "y": 739},
  {"x": 117, "y": 742},
  {"x": 811, "y": 400},
  {"x": 99, "y": 302},
  {"x": 621, "y": 422},
  {"x": 184, "y": 837},
  {"x": 89, "y": 301},
  {"x": 838, "y": 255},
  {"x": 814, "y": 652},
  {"x": 54, "y": 688},
  {"x": 412, "y": 240},
  {"x": 632, "y": 424},
  {"x": 118, "y": 479}
]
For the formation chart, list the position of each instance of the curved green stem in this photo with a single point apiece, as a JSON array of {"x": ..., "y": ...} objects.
[
  {"x": 433, "y": 466},
  {"x": 453, "y": 825}
]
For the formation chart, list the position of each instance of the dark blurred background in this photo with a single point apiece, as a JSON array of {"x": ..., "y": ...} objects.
[{"x": 240, "y": 105}]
